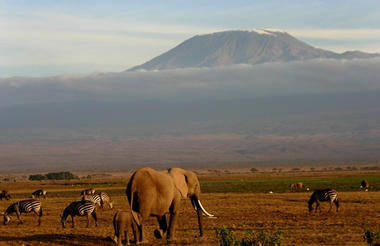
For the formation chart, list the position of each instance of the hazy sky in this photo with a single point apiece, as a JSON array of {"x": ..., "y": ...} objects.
[{"x": 41, "y": 38}]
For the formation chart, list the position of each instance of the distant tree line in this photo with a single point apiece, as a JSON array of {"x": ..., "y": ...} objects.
[{"x": 53, "y": 176}]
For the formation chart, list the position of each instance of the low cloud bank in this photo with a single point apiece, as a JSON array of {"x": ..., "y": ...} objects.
[{"x": 233, "y": 82}]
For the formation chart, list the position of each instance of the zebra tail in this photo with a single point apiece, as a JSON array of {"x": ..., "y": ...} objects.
[{"x": 40, "y": 212}]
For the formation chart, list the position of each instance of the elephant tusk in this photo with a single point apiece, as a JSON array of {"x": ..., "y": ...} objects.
[{"x": 204, "y": 210}]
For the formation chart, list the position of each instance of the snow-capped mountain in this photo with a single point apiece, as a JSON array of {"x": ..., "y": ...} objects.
[{"x": 241, "y": 47}]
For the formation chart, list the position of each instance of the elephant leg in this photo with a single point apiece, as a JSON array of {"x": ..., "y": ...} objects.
[
  {"x": 163, "y": 227},
  {"x": 172, "y": 223},
  {"x": 134, "y": 231},
  {"x": 126, "y": 237},
  {"x": 174, "y": 209}
]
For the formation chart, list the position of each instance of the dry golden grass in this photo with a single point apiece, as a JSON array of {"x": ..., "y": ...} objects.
[{"x": 239, "y": 211}]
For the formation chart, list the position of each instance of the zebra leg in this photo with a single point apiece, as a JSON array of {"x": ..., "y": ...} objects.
[
  {"x": 18, "y": 216},
  {"x": 95, "y": 218},
  {"x": 317, "y": 206},
  {"x": 72, "y": 220},
  {"x": 39, "y": 218},
  {"x": 88, "y": 220}
]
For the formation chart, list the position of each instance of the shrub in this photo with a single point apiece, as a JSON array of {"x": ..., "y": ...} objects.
[
  {"x": 61, "y": 176},
  {"x": 372, "y": 237},
  {"x": 225, "y": 236},
  {"x": 253, "y": 169},
  {"x": 262, "y": 238},
  {"x": 37, "y": 177},
  {"x": 54, "y": 176}
]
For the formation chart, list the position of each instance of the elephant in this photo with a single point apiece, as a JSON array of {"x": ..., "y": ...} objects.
[{"x": 158, "y": 193}]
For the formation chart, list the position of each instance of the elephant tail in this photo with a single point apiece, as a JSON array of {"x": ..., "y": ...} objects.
[
  {"x": 115, "y": 225},
  {"x": 131, "y": 193}
]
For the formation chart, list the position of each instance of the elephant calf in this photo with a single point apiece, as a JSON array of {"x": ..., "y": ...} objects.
[{"x": 122, "y": 223}]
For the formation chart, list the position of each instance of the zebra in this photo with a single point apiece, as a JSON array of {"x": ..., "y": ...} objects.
[
  {"x": 93, "y": 198},
  {"x": 364, "y": 184},
  {"x": 105, "y": 198},
  {"x": 39, "y": 193},
  {"x": 79, "y": 208},
  {"x": 90, "y": 191},
  {"x": 296, "y": 186},
  {"x": 24, "y": 206},
  {"x": 5, "y": 194},
  {"x": 323, "y": 196},
  {"x": 99, "y": 199}
]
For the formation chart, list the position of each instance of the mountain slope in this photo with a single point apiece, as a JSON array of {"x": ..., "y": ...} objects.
[{"x": 237, "y": 47}]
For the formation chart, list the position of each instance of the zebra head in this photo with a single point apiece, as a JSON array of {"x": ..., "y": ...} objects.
[
  {"x": 7, "y": 218},
  {"x": 63, "y": 221}
]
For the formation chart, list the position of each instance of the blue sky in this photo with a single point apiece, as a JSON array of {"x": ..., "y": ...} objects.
[{"x": 43, "y": 38}]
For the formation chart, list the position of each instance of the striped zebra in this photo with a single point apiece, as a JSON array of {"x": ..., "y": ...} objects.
[
  {"x": 25, "y": 206},
  {"x": 39, "y": 193},
  {"x": 93, "y": 198},
  {"x": 90, "y": 191},
  {"x": 364, "y": 184},
  {"x": 326, "y": 195},
  {"x": 79, "y": 208},
  {"x": 5, "y": 194},
  {"x": 105, "y": 198}
]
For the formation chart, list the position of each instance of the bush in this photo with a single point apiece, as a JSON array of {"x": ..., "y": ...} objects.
[
  {"x": 372, "y": 237},
  {"x": 37, "y": 177},
  {"x": 61, "y": 176},
  {"x": 53, "y": 176},
  {"x": 225, "y": 236},
  {"x": 262, "y": 238},
  {"x": 253, "y": 169}
]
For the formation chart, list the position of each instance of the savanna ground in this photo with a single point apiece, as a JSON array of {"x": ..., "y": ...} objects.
[{"x": 239, "y": 201}]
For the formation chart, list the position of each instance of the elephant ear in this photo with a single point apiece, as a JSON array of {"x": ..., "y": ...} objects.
[{"x": 180, "y": 180}]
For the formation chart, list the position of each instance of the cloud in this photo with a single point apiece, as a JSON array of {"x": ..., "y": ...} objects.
[
  {"x": 337, "y": 34},
  {"x": 319, "y": 76}
]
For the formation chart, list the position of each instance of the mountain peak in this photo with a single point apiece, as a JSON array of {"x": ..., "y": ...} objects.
[{"x": 241, "y": 47}]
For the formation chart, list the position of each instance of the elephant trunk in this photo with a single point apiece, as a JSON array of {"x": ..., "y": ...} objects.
[{"x": 194, "y": 202}]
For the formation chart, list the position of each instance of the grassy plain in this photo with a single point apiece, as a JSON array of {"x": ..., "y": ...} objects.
[{"x": 239, "y": 201}]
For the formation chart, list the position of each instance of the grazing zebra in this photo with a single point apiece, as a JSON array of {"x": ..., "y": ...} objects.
[
  {"x": 296, "y": 186},
  {"x": 323, "y": 196},
  {"x": 364, "y": 184},
  {"x": 25, "y": 206},
  {"x": 90, "y": 191},
  {"x": 39, "y": 193},
  {"x": 105, "y": 198},
  {"x": 93, "y": 198},
  {"x": 4, "y": 194},
  {"x": 79, "y": 208}
]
